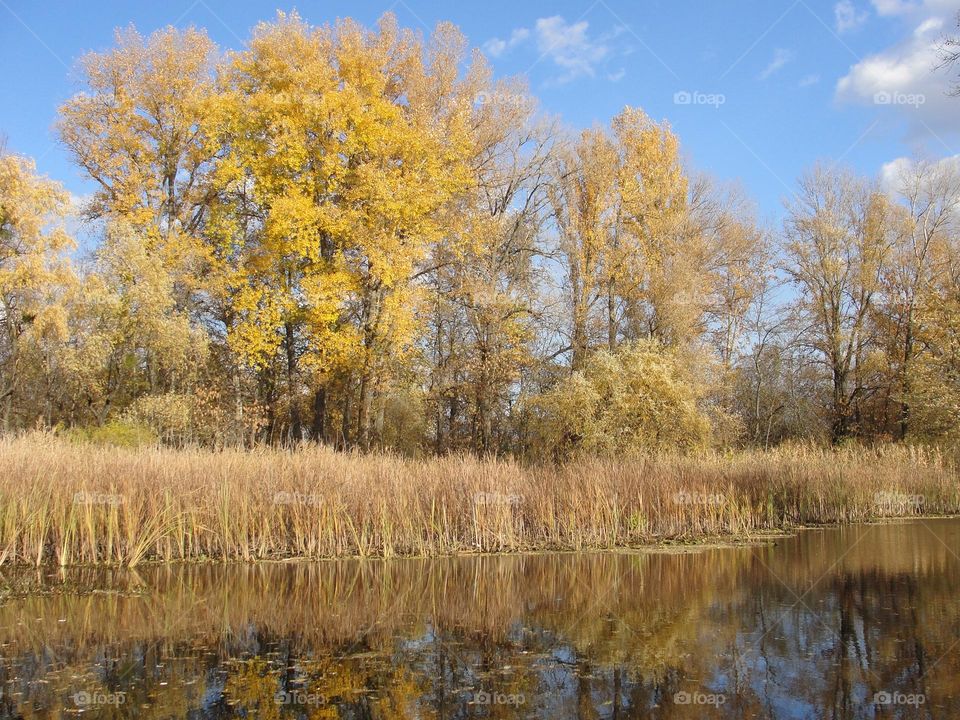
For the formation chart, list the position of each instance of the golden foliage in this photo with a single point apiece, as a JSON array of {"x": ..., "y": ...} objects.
[{"x": 640, "y": 398}]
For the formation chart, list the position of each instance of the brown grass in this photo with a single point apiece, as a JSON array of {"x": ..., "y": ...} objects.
[{"x": 82, "y": 504}]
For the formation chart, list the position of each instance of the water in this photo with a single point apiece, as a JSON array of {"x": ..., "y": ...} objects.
[{"x": 856, "y": 622}]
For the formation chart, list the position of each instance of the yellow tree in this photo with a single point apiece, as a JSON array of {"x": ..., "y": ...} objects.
[
  {"x": 406, "y": 157},
  {"x": 934, "y": 393},
  {"x": 344, "y": 144},
  {"x": 128, "y": 338},
  {"x": 584, "y": 198},
  {"x": 137, "y": 130},
  {"x": 654, "y": 266},
  {"x": 642, "y": 397},
  {"x": 273, "y": 228},
  {"x": 33, "y": 272}
]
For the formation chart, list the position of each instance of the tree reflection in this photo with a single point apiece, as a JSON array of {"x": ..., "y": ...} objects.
[{"x": 816, "y": 626}]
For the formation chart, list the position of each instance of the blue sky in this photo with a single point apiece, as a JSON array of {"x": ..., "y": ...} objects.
[{"x": 758, "y": 90}]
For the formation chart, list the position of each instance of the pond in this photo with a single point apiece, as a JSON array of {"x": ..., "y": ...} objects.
[{"x": 853, "y": 622}]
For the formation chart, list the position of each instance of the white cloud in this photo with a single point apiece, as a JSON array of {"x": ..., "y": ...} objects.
[
  {"x": 904, "y": 78},
  {"x": 930, "y": 25},
  {"x": 847, "y": 17},
  {"x": 495, "y": 47},
  {"x": 570, "y": 47},
  {"x": 808, "y": 80},
  {"x": 892, "y": 7},
  {"x": 898, "y": 174},
  {"x": 780, "y": 58}
]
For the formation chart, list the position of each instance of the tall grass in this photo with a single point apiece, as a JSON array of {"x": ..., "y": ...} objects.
[{"x": 83, "y": 504}]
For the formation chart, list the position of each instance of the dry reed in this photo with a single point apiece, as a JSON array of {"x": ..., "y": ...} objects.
[{"x": 76, "y": 504}]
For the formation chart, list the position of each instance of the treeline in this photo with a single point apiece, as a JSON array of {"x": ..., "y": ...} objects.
[{"x": 362, "y": 238}]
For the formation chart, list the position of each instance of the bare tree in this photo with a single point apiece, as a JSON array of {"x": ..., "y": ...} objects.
[{"x": 950, "y": 55}]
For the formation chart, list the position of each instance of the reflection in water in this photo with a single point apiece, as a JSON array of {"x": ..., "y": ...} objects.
[{"x": 855, "y": 622}]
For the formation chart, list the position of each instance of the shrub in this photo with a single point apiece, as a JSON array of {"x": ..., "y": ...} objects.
[
  {"x": 180, "y": 419},
  {"x": 117, "y": 433},
  {"x": 641, "y": 397}
]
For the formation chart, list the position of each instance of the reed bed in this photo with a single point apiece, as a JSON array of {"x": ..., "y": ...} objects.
[{"x": 74, "y": 504}]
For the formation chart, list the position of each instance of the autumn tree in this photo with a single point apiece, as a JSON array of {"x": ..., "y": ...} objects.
[
  {"x": 656, "y": 257},
  {"x": 949, "y": 50},
  {"x": 345, "y": 145},
  {"x": 34, "y": 273},
  {"x": 929, "y": 220},
  {"x": 584, "y": 197},
  {"x": 128, "y": 337},
  {"x": 838, "y": 241},
  {"x": 482, "y": 316},
  {"x": 934, "y": 398},
  {"x": 137, "y": 130}
]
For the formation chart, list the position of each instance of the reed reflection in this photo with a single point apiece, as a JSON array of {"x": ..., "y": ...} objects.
[{"x": 848, "y": 623}]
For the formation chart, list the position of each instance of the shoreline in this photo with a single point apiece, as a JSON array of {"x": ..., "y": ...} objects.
[{"x": 665, "y": 546}]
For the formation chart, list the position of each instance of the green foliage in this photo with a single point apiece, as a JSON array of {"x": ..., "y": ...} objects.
[{"x": 638, "y": 399}]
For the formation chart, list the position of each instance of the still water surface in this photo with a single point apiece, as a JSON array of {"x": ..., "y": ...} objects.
[{"x": 855, "y": 622}]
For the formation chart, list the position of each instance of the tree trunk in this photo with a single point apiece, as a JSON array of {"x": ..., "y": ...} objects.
[
  {"x": 364, "y": 405},
  {"x": 611, "y": 318},
  {"x": 318, "y": 428},
  {"x": 296, "y": 424},
  {"x": 345, "y": 435},
  {"x": 905, "y": 379}
]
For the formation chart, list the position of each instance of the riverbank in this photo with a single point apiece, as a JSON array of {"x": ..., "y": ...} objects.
[{"x": 72, "y": 504}]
